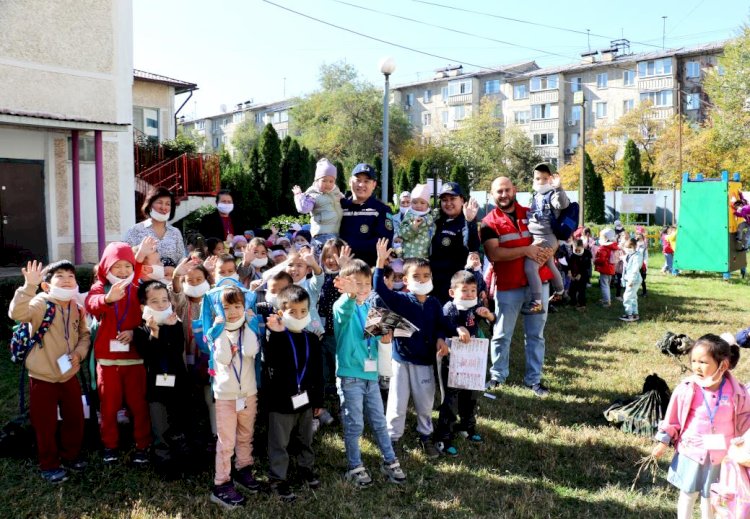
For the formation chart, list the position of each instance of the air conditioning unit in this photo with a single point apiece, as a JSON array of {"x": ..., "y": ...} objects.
[
  {"x": 572, "y": 122},
  {"x": 570, "y": 151}
]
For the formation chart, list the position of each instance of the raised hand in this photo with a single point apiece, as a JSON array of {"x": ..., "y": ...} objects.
[
  {"x": 556, "y": 181},
  {"x": 32, "y": 274},
  {"x": 471, "y": 208},
  {"x": 184, "y": 266},
  {"x": 296, "y": 190},
  {"x": 384, "y": 252},
  {"x": 117, "y": 291},
  {"x": 345, "y": 285},
  {"x": 210, "y": 263},
  {"x": 146, "y": 247},
  {"x": 274, "y": 323},
  {"x": 345, "y": 256},
  {"x": 308, "y": 257}
]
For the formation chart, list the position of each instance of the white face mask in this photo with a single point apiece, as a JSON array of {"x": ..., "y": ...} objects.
[
  {"x": 420, "y": 213},
  {"x": 159, "y": 316},
  {"x": 113, "y": 280},
  {"x": 235, "y": 325},
  {"x": 420, "y": 289},
  {"x": 542, "y": 188},
  {"x": 299, "y": 245},
  {"x": 295, "y": 325},
  {"x": 238, "y": 254},
  {"x": 196, "y": 290},
  {"x": 464, "y": 304},
  {"x": 709, "y": 381},
  {"x": 398, "y": 285},
  {"x": 259, "y": 262},
  {"x": 629, "y": 251},
  {"x": 578, "y": 252},
  {"x": 225, "y": 208},
  {"x": 157, "y": 272},
  {"x": 272, "y": 299},
  {"x": 62, "y": 294},
  {"x": 403, "y": 210},
  {"x": 157, "y": 216}
]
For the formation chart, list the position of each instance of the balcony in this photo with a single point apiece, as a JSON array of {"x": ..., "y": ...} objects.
[
  {"x": 544, "y": 124},
  {"x": 459, "y": 99},
  {"x": 545, "y": 96},
  {"x": 656, "y": 83}
]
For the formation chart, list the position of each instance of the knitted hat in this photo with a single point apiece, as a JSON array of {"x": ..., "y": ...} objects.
[
  {"x": 404, "y": 194},
  {"x": 325, "y": 169},
  {"x": 421, "y": 191},
  {"x": 607, "y": 237},
  {"x": 303, "y": 234},
  {"x": 238, "y": 240}
]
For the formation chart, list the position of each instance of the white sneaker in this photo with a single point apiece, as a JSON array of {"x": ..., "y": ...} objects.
[
  {"x": 393, "y": 472},
  {"x": 315, "y": 425},
  {"x": 359, "y": 477}
]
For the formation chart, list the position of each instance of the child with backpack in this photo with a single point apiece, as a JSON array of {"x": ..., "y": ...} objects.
[
  {"x": 605, "y": 259},
  {"x": 53, "y": 363},
  {"x": 707, "y": 410},
  {"x": 548, "y": 201},
  {"x": 113, "y": 300}
]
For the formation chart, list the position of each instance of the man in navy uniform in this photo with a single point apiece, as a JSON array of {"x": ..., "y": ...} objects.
[{"x": 365, "y": 218}]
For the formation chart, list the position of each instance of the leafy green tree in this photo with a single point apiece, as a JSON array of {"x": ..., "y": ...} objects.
[
  {"x": 341, "y": 177},
  {"x": 403, "y": 181},
  {"x": 425, "y": 171},
  {"x": 269, "y": 166},
  {"x": 460, "y": 176},
  {"x": 632, "y": 174},
  {"x": 519, "y": 159},
  {"x": 244, "y": 139},
  {"x": 593, "y": 193},
  {"x": 415, "y": 168},
  {"x": 292, "y": 175}
]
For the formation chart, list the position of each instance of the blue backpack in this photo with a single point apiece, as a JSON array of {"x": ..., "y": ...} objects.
[{"x": 564, "y": 225}]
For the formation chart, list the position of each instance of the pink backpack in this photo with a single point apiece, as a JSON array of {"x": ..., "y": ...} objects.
[{"x": 730, "y": 497}]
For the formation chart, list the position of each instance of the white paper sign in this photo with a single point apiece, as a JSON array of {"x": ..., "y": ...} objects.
[{"x": 468, "y": 364}]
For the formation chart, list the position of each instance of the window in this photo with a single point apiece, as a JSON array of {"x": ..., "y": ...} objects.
[
  {"x": 283, "y": 134},
  {"x": 520, "y": 91},
  {"x": 692, "y": 69},
  {"x": 85, "y": 148},
  {"x": 628, "y": 78},
  {"x": 657, "y": 67},
  {"x": 427, "y": 119},
  {"x": 238, "y": 117},
  {"x": 661, "y": 98},
  {"x": 216, "y": 142},
  {"x": 543, "y": 83},
  {"x": 200, "y": 125},
  {"x": 427, "y": 96},
  {"x": 409, "y": 118},
  {"x": 692, "y": 101},
  {"x": 284, "y": 117},
  {"x": 459, "y": 112},
  {"x": 521, "y": 117},
  {"x": 545, "y": 111},
  {"x": 276, "y": 117},
  {"x": 574, "y": 140},
  {"x": 721, "y": 70},
  {"x": 146, "y": 121},
  {"x": 544, "y": 139},
  {"x": 601, "y": 80},
  {"x": 444, "y": 117},
  {"x": 576, "y": 84},
  {"x": 444, "y": 93},
  {"x": 575, "y": 113},
  {"x": 457, "y": 88},
  {"x": 409, "y": 102},
  {"x": 224, "y": 122},
  {"x": 553, "y": 162},
  {"x": 497, "y": 112},
  {"x": 492, "y": 86},
  {"x": 627, "y": 105},
  {"x": 259, "y": 118},
  {"x": 601, "y": 110}
]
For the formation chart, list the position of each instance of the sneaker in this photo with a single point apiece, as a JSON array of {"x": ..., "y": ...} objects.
[
  {"x": 283, "y": 491},
  {"x": 359, "y": 477},
  {"x": 311, "y": 479},
  {"x": 446, "y": 449},
  {"x": 556, "y": 297},
  {"x": 325, "y": 417},
  {"x": 315, "y": 425},
  {"x": 393, "y": 472},
  {"x": 493, "y": 384},
  {"x": 532, "y": 308},
  {"x": 226, "y": 496},
  {"x": 122, "y": 417},
  {"x": 625, "y": 317},
  {"x": 244, "y": 478},
  {"x": 110, "y": 456},
  {"x": 77, "y": 465},
  {"x": 476, "y": 438},
  {"x": 539, "y": 390},
  {"x": 140, "y": 457},
  {"x": 428, "y": 446},
  {"x": 55, "y": 475},
  {"x": 635, "y": 317}
]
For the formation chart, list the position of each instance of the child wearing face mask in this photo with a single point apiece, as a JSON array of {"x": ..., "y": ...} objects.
[
  {"x": 413, "y": 357},
  {"x": 321, "y": 202},
  {"x": 235, "y": 392},
  {"x": 474, "y": 265},
  {"x": 237, "y": 247},
  {"x": 461, "y": 319},
  {"x": 255, "y": 261},
  {"x": 579, "y": 263},
  {"x": 113, "y": 300},
  {"x": 417, "y": 225},
  {"x": 631, "y": 279},
  {"x": 706, "y": 412},
  {"x": 549, "y": 198},
  {"x": 404, "y": 203},
  {"x": 160, "y": 341},
  {"x": 294, "y": 363},
  {"x": 53, "y": 365}
]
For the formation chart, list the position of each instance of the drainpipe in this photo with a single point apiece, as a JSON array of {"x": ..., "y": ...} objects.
[
  {"x": 99, "y": 168},
  {"x": 77, "y": 252},
  {"x": 178, "y": 111}
]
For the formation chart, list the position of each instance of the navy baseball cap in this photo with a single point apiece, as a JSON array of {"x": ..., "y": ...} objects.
[
  {"x": 451, "y": 188},
  {"x": 364, "y": 169}
]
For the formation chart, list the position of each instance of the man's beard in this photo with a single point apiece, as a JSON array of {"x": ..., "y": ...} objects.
[{"x": 507, "y": 206}]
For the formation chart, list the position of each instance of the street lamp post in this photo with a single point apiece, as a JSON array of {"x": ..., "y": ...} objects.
[
  {"x": 579, "y": 100},
  {"x": 387, "y": 66}
]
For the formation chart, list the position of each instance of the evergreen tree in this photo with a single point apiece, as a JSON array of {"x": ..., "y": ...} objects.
[
  {"x": 403, "y": 181},
  {"x": 269, "y": 166},
  {"x": 632, "y": 174},
  {"x": 286, "y": 183},
  {"x": 425, "y": 171},
  {"x": 255, "y": 198},
  {"x": 341, "y": 177},
  {"x": 593, "y": 193},
  {"x": 415, "y": 167},
  {"x": 460, "y": 175}
]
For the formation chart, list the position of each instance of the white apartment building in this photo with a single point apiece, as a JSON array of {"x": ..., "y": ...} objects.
[
  {"x": 540, "y": 100},
  {"x": 219, "y": 129}
]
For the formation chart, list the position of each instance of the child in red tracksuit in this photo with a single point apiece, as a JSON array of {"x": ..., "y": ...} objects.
[{"x": 113, "y": 300}]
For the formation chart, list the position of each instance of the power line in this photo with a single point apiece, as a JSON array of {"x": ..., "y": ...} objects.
[{"x": 528, "y": 22}]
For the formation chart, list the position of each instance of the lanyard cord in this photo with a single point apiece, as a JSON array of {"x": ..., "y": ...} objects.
[
  {"x": 299, "y": 375},
  {"x": 121, "y": 320}
]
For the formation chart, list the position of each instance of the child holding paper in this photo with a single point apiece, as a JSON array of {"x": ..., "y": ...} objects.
[{"x": 461, "y": 316}]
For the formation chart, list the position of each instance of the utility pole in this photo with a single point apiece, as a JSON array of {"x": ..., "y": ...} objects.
[
  {"x": 679, "y": 133},
  {"x": 579, "y": 100},
  {"x": 663, "y": 32}
]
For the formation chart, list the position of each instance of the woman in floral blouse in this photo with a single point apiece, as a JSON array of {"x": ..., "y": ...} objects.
[{"x": 157, "y": 210}]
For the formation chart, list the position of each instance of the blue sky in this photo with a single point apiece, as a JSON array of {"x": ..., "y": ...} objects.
[{"x": 239, "y": 50}]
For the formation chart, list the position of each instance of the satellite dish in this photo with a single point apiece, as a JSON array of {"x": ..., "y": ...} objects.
[{"x": 223, "y": 108}]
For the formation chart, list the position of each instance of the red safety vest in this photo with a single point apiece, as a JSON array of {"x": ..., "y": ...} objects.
[{"x": 510, "y": 274}]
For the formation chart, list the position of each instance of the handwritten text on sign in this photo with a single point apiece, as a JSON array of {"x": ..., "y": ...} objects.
[{"x": 468, "y": 364}]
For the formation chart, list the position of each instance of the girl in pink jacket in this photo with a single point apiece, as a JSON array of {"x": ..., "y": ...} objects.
[{"x": 707, "y": 410}]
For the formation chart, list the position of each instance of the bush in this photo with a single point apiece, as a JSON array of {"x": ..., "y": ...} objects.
[{"x": 284, "y": 222}]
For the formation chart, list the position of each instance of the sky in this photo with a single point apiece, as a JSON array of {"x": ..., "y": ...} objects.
[{"x": 240, "y": 50}]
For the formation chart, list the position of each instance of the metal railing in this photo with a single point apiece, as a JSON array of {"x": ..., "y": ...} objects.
[{"x": 186, "y": 175}]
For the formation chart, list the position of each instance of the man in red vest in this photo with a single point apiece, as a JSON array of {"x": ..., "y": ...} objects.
[{"x": 507, "y": 241}]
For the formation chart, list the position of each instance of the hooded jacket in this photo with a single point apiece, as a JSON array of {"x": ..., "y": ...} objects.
[{"x": 126, "y": 312}]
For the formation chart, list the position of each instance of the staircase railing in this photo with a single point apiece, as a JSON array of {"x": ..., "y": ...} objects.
[{"x": 185, "y": 175}]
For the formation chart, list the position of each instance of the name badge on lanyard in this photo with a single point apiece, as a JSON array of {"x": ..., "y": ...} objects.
[
  {"x": 371, "y": 365},
  {"x": 300, "y": 399}
]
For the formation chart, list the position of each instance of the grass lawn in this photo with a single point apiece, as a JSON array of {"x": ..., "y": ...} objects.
[{"x": 555, "y": 457}]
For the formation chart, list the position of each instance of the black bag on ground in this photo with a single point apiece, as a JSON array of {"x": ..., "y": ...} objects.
[
  {"x": 675, "y": 344},
  {"x": 641, "y": 414}
]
